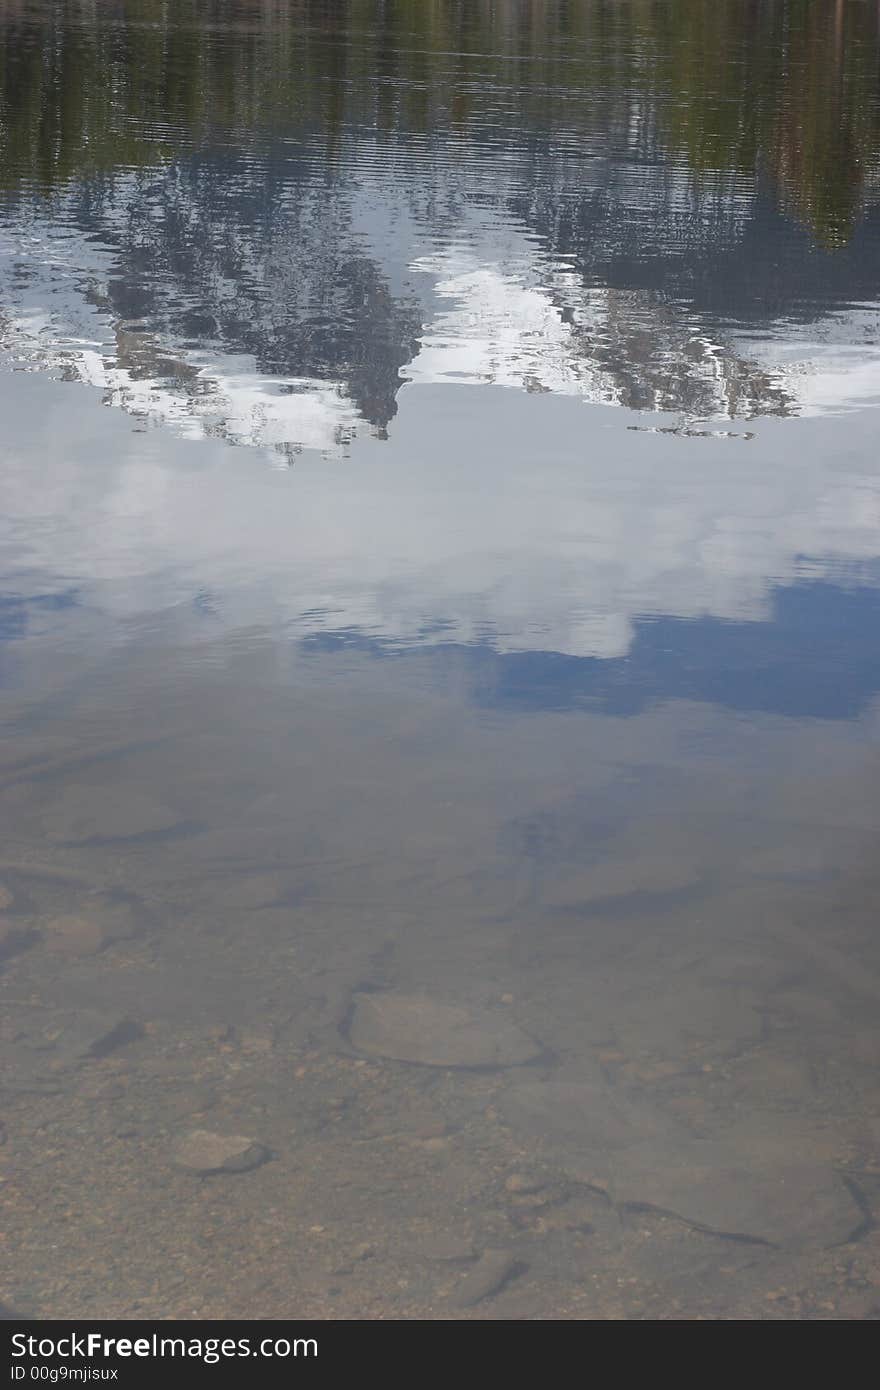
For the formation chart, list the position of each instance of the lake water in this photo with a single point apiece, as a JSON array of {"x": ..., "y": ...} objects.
[{"x": 439, "y": 611}]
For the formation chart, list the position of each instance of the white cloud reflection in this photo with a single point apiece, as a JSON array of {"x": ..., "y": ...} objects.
[{"x": 519, "y": 522}]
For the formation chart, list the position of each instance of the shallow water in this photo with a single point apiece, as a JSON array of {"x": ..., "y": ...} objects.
[{"x": 438, "y": 645}]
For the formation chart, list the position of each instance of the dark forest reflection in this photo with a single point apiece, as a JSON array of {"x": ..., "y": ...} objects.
[{"x": 788, "y": 85}]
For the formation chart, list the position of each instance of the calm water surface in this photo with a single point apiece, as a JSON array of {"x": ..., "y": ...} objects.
[{"x": 439, "y": 601}]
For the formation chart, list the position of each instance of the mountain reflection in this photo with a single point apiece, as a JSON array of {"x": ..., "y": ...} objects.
[{"x": 410, "y": 204}]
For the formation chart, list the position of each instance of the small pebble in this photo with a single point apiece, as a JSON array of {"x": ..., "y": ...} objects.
[
  {"x": 201, "y": 1151},
  {"x": 525, "y": 1182}
]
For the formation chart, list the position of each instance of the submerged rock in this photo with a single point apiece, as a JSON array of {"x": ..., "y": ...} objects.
[
  {"x": 247, "y": 891},
  {"x": 654, "y": 874},
  {"x": 84, "y": 934},
  {"x": 775, "y": 1188},
  {"x": 82, "y": 814},
  {"x": 74, "y": 936},
  {"x": 711, "y": 1185},
  {"x": 201, "y": 1151},
  {"x": 488, "y": 1276},
  {"x": 93, "y": 1033},
  {"x": 414, "y": 1028}
]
